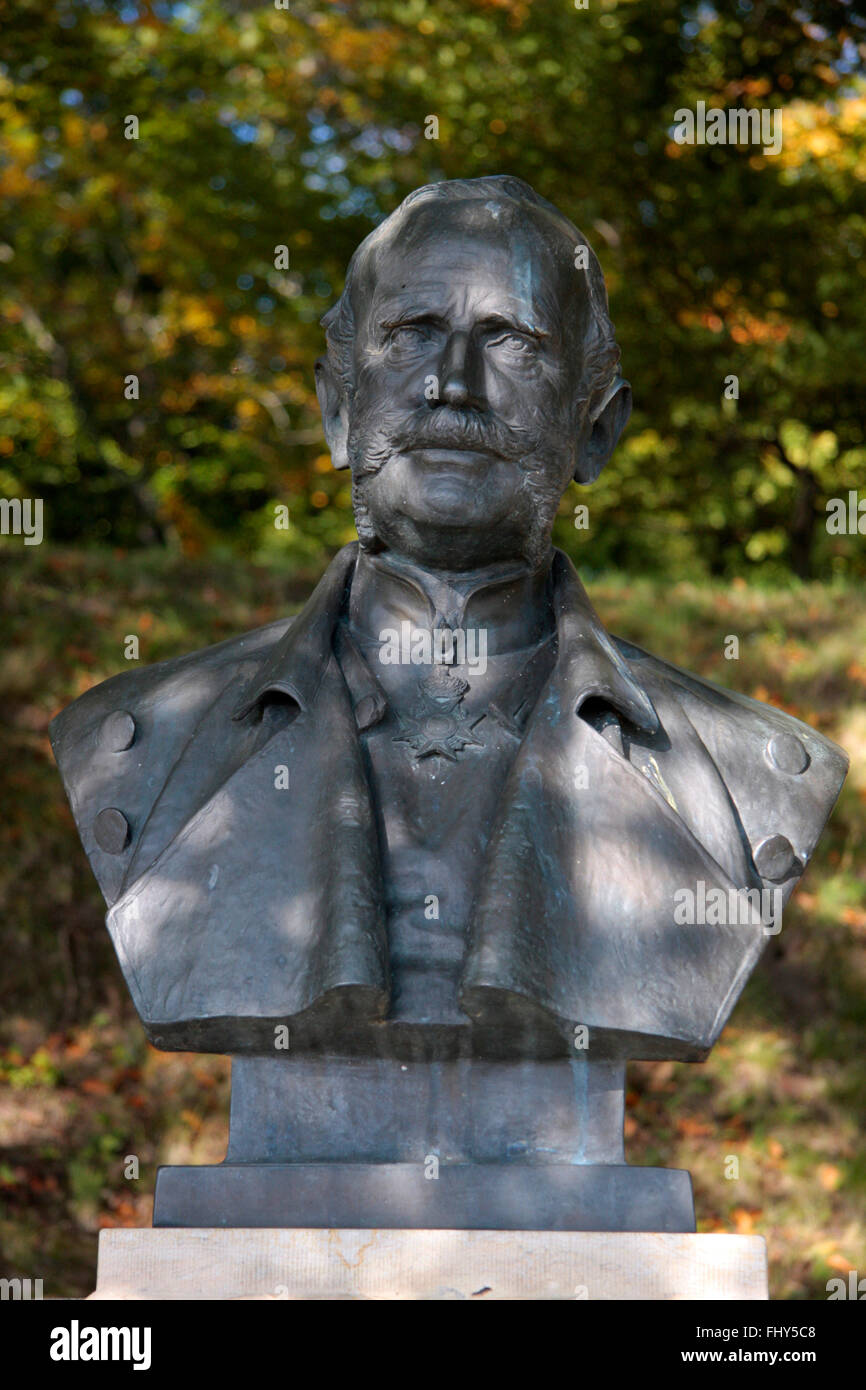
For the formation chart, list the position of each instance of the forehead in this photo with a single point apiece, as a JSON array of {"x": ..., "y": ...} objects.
[{"x": 473, "y": 256}]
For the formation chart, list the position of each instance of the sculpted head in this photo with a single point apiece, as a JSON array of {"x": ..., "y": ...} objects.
[{"x": 471, "y": 373}]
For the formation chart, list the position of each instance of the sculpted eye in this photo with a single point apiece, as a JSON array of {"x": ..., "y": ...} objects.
[
  {"x": 515, "y": 344},
  {"x": 407, "y": 335}
]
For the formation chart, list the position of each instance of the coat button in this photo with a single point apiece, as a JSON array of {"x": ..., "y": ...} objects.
[
  {"x": 787, "y": 753},
  {"x": 775, "y": 858},
  {"x": 111, "y": 829},
  {"x": 117, "y": 731}
]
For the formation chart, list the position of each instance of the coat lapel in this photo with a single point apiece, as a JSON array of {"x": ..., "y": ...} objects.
[
  {"x": 586, "y": 858},
  {"x": 269, "y": 896}
]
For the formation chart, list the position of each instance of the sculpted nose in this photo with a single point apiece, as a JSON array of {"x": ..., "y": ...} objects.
[
  {"x": 454, "y": 384},
  {"x": 454, "y": 390}
]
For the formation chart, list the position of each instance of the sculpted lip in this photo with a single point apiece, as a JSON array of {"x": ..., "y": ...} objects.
[{"x": 434, "y": 454}]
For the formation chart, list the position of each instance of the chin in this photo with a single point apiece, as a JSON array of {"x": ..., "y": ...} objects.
[
  {"x": 450, "y": 522},
  {"x": 452, "y": 509},
  {"x": 459, "y": 500}
]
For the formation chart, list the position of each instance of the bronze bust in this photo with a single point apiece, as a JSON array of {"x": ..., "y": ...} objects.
[{"x": 425, "y": 859}]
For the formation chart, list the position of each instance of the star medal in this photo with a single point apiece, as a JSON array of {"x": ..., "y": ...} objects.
[{"x": 438, "y": 723}]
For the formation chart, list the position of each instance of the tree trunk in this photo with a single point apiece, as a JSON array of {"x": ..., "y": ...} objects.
[{"x": 801, "y": 533}]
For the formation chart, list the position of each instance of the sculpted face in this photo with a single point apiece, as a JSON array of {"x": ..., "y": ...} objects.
[{"x": 463, "y": 426}]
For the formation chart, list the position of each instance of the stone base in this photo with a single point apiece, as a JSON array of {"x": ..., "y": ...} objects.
[
  {"x": 423, "y": 1264},
  {"x": 398, "y": 1196}
]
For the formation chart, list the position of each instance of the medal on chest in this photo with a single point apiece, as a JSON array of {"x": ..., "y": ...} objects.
[{"x": 438, "y": 725}]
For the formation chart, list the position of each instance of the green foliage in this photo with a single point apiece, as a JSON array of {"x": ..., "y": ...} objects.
[
  {"x": 262, "y": 127},
  {"x": 38, "y": 1070}
]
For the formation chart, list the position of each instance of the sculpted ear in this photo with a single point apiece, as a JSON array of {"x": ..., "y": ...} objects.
[
  {"x": 335, "y": 411},
  {"x": 602, "y": 431}
]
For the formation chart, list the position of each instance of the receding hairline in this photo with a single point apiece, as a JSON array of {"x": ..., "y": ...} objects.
[{"x": 464, "y": 194}]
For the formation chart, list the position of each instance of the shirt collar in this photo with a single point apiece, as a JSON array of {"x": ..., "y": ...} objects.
[
  {"x": 509, "y": 601},
  {"x": 588, "y": 662}
]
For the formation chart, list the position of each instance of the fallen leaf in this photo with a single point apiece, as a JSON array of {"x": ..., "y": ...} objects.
[
  {"x": 829, "y": 1177},
  {"x": 696, "y": 1129}
]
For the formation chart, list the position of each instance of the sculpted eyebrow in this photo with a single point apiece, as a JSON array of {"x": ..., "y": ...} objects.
[
  {"x": 393, "y": 314},
  {"x": 514, "y": 324},
  {"x": 392, "y": 317},
  {"x": 422, "y": 316}
]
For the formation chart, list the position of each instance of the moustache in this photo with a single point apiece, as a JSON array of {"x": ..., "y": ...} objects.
[
  {"x": 444, "y": 428},
  {"x": 447, "y": 428}
]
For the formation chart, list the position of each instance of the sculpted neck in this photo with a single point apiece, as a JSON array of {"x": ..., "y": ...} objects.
[{"x": 508, "y": 600}]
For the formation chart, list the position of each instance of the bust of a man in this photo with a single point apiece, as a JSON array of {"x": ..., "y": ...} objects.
[{"x": 442, "y": 814}]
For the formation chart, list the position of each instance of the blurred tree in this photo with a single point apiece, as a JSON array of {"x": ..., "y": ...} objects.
[{"x": 158, "y": 346}]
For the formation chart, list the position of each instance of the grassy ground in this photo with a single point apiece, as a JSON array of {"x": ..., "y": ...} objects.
[{"x": 81, "y": 1094}]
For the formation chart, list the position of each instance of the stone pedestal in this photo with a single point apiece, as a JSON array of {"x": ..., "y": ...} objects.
[
  {"x": 397, "y": 1196},
  {"x": 355, "y": 1142},
  {"x": 424, "y": 1264}
]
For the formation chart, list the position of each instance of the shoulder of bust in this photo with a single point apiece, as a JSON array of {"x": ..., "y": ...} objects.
[
  {"x": 117, "y": 743},
  {"x": 782, "y": 775}
]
